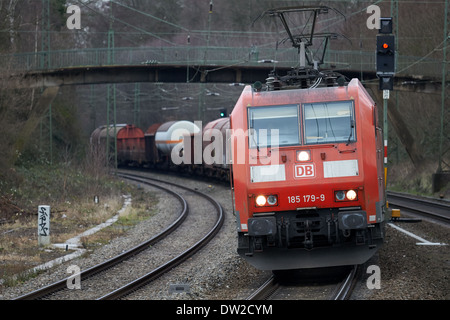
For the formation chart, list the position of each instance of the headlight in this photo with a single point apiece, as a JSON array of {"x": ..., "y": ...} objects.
[
  {"x": 340, "y": 195},
  {"x": 351, "y": 195},
  {"x": 264, "y": 200},
  {"x": 304, "y": 155},
  {"x": 272, "y": 200},
  {"x": 261, "y": 200},
  {"x": 346, "y": 195}
]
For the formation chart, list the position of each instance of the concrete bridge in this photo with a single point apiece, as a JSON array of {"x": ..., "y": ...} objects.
[{"x": 200, "y": 64}]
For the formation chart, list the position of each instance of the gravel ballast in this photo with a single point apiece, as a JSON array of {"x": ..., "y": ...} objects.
[{"x": 408, "y": 271}]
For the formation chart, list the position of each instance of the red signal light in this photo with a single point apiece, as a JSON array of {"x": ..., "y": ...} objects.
[{"x": 385, "y": 46}]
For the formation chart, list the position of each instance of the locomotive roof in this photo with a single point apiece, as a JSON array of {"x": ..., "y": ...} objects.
[{"x": 352, "y": 91}]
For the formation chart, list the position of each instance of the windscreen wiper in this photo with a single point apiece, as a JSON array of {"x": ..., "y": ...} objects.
[{"x": 352, "y": 126}]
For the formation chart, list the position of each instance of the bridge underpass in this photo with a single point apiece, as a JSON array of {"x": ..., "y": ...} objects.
[
  {"x": 199, "y": 64},
  {"x": 189, "y": 74}
]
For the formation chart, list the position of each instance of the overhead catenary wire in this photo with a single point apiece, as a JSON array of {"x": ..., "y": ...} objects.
[{"x": 108, "y": 17}]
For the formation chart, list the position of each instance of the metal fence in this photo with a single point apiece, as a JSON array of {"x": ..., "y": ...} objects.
[{"x": 208, "y": 56}]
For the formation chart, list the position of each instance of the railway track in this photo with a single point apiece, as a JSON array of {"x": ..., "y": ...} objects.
[
  {"x": 155, "y": 273},
  {"x": 131, "y": 286},
  {"x": 274, "y": 287},
  {"x": 433, "y": 208},
  {"x": 344, "y": 289}
]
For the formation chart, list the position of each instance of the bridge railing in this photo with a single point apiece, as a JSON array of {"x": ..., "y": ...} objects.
[
  {"x": 366, "y": 61},
  {"x": 208, "y": 56}
]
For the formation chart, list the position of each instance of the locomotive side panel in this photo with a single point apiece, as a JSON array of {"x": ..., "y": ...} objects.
[{"x": 371, "y": 144}]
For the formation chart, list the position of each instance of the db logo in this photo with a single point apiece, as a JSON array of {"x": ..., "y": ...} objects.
[{"x": 305, "y": 171}]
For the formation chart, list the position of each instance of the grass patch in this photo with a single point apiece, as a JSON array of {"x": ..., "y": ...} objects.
[
  {"x": 69, "y": 192},
  {"x": 134, "y": 214},
  {"x": 59, "y": 184},
  {"x": 406, "y": 178}
]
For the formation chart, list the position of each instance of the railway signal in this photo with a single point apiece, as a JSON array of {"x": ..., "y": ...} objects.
[
  {"x": 385, "y": 55},
  {"x": 385, "y": 25},
  {"x": 223, "y": 113},
  {"x": 385, "y": 58}
]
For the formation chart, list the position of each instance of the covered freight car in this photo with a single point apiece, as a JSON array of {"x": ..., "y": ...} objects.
[{"x": 129, "y": 140}]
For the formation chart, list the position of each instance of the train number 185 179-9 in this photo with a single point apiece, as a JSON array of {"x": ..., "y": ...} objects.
[{"x": 306, "y": 198}]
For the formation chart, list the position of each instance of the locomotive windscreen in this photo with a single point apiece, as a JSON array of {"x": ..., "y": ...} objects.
[
  {"x": 329, "y": 122},
  {"x": 266, "y": 123}
]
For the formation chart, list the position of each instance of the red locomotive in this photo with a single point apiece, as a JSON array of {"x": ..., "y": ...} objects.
[{"x": 308, "y": 178}]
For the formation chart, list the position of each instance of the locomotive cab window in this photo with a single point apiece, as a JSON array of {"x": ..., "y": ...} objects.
[
  {"x": 273, "y": 126},
  {"x": 329, "y": 122}
]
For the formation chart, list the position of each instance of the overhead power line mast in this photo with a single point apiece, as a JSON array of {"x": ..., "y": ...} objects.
[{"x": 45, "y": 35}]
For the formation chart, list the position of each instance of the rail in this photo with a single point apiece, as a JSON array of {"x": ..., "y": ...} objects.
[
  {"x": 265, "y": 290},
  {"x": 436, "y": 208},
  {"x": 343, "y": 289}
]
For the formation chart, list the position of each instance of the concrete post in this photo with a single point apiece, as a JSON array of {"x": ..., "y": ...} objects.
[{"x": 44, "y": 225}]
